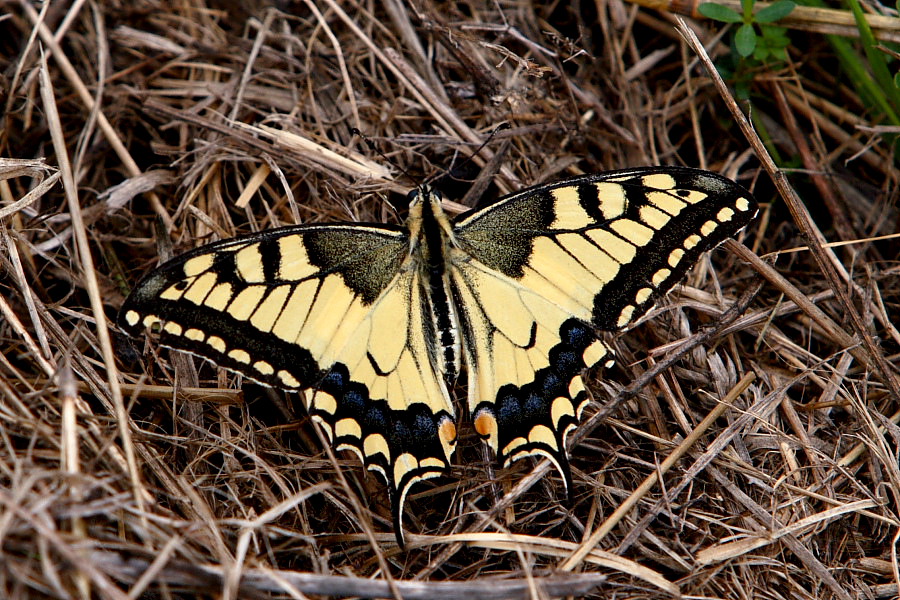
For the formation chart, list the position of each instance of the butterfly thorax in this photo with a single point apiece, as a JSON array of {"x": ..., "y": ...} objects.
[{"x": 431, "y": 236}]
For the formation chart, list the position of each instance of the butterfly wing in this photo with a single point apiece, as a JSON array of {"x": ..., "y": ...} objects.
[
  {"x": 524, "y": 354},
  {"x": 537, "y": 273},
  {"x": 332, "y": 309}
]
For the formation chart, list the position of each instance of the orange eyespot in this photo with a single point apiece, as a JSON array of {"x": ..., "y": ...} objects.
[
  {"x": 486, "y": 424},
  {"x": 447, "y": 432}
]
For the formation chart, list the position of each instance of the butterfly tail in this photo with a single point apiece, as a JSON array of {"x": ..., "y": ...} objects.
[{"x": 404, "y": 447}]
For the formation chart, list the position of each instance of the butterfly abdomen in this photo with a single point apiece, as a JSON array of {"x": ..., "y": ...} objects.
[{"x": 435, "y": 241}]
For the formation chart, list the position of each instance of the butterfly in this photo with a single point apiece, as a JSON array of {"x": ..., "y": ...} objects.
[{"x": 373, "y": 323}]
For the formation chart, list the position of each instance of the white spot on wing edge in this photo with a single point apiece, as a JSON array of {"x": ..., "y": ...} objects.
[
  {"x": 263, "y": 367},
  {"x": 593, "y": 353},
  {"x": 173, "y": 328},
  {"x": 240, "y": 356},
  {"x": 660, "y": 276},
  {"x": 675, "y": 257},
  {"x": 216, "y": 343},
  {"x": 691, "y": 241},
  {"x": 725, "y": 214},
  {"x": 288, "y": 379},
  {"x": 642, "y": 295},
  {"x": 195, "y": 334},
  {"x": 625, "y": 316},
  {"x": 708, "y": 227}
]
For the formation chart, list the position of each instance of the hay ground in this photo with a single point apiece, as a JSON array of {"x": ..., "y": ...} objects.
[{"x": 129, "y": 471}]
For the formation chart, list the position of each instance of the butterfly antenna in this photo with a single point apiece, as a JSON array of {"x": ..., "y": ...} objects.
[
  {"x": 497, "y": 129},
  {"x": 377, "y": 150},
  {"x": 478, "y": 150}
]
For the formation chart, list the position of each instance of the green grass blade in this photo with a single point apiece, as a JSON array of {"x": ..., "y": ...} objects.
[
  {"x": 871, "y": 93},
  {"x": 877, "y": 61}
]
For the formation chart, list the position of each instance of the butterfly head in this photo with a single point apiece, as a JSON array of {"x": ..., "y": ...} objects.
[
  {"x": 423, "y": 194},
  {"x": 425, "y": 206}
]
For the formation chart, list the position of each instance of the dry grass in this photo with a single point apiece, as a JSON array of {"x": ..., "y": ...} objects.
[{"x": 131, "y": 471}]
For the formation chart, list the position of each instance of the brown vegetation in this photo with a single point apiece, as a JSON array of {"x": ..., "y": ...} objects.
[{"x": 127, "y": 470}]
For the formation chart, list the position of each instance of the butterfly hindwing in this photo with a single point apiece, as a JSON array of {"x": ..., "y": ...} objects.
[
  {"x": 525, "y": 355},
  {"x": 541, "y": 270},
  {"x": 332, "y": 309}
]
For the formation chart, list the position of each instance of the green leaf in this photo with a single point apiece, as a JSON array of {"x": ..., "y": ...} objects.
[
  {"x": 776, "y": 40},
  {"x": 779, "y": 53},
  {"x": 775, "y": 36},
  {"x": 855, "y": 73},
  {"x": 719, "y": 12},
  {"x": 745, "y": 40},
  {"x": 775, "y": 11},
  {"x": 747, "y": 7}
]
